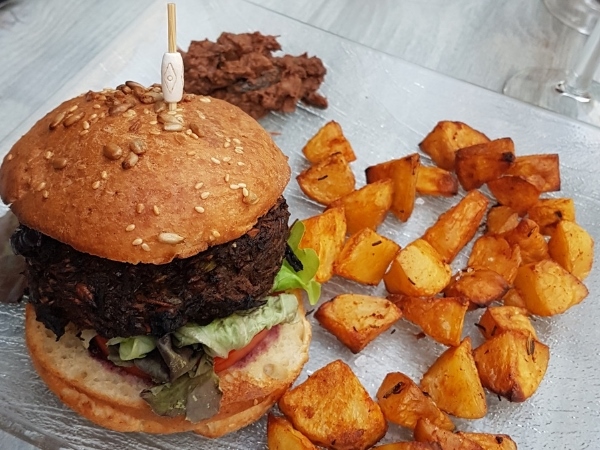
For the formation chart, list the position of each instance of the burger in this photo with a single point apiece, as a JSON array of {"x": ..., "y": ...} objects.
[{"x": 159, "y": 262}]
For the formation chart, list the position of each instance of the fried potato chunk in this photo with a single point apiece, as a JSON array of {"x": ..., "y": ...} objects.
[
  {"x": 479, "y": 286},
  {"x": 457, "y": 226},
  {"x": 490, "y": 441},
  {"x": 403, "y": 403},
  {"x": 328, "y": 180},
  {"x": 573, "y": 248},
  {"x": 478, "y": 164},
  {"x": 425, "y": 431},
  {"x": 532, "y": 243},
  {"x": 409, "y": 446},
  {"x": 513, "y": 298},
  {"x": 512, "y": 364},
  {"x": 432, "y": 180},
  {"x": 281, "y": 435},
  {"x": 542, "y": 171},
  {"x": 495, "y": 253},
  {"x": 447, "y": 137},
  {"x": 334, "y": 410},
  {"x": 515, "y": 192},
  {"x": 325, "y": 234},
  {"x": 441, "y": 318},
  {"x": 356, "y": 320},
  {"x": 327, "y": 141},
  {"x": 453, "y": 383},
  {"x": 497, "y": 319},
  {"x": 501, "y": 219},
  {"x": 365, "y": 257},
  {"x": 547, "y": 212}
]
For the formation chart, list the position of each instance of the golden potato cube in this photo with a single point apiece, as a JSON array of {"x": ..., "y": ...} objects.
[
  {"x": 512, "y": 364},
  {"x": 542, "y": 171},
  {"x": 356, "y": 320},
  {"x": 497, "y": 319},
  {"x": 403, "y": 403},
  {"x": 490, "y": 441},
  {"x": 408, "y": 446},
  {"x": 441, "y": 318},
  {"x": 425, "y": 431},
  {"x": 532, "y": 243},
  {"x": 367, "y": 206},
  {"x": 501, "y": 219},
  {"x": 325, "y": 234},
  {"x": 365, "y": 257},
  {"x": 281, "y": 435},
  {"x": 547, "y": 212},
  {"x": 453, "y": 383},
  {"x": 417, "y": 270},
  {"x": 515, "y": 192},
  {"x": 327, "y": 180},
  {"x": 548, "y": 289},
  {"x": 513, "y": 298},
  {"x": 495, "y": 253},
  {"x": 432, "y": 180},
  {"x": 447, "y": 137},
  {"x": 334, "y": 410},
  {"x": 457, "y": 226},
  {"x": 327, "y": 141},
  {"x": 480, "y": 163},
  {"x": 573, "y": 248},
  {"x": 479, "y": 286}
]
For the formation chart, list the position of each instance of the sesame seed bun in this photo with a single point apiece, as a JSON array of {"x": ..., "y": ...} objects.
[{"x": 117, "y": 175}]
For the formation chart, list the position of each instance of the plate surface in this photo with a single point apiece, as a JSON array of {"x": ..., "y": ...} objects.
[{"x": 385, "y": 106}]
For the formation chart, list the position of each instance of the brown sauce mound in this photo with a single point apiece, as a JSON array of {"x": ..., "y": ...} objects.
[{"x": 240, "y": 69}]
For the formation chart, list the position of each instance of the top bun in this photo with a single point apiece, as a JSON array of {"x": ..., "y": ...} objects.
[{"x": 117, "y": 175}]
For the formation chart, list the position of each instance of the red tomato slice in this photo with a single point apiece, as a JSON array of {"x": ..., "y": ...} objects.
[
  {"x": 234, "y": 356},
  {"x": 131, "y": 370}
]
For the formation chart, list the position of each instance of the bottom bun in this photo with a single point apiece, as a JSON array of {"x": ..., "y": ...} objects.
[{"x": 111, "y": 398}]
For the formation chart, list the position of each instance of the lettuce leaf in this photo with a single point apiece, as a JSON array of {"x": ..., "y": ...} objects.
[{"x": 133, "y": 347}]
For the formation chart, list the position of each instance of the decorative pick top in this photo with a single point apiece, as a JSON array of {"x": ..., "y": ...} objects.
[{"x": 172, "y": 65}]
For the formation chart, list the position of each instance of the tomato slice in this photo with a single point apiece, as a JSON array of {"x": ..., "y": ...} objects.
[
  {"x": 131, "y": 370},
  {"x": 234, "y": 356}
]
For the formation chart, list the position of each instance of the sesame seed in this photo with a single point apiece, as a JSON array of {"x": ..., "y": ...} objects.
[
  {"x": 205, "y": 99},
  {"x": 188, "y": 132},
  {"x": 226, "y": 144},
  {"x": 238, "y": 150},
  {"x": 171, "y": 113},
  {"x": 137, "y": 241},
  {"x": 146, "y": 111},
  {"x": 40, "y": 186},
  {"x": 219, "y": 134},
  {"x": 242, "y": 185},
  {"x": 155, "y": 132},
  {"x": 234, "y": 186},
  {"x": 86, "y": 125},
  {"x": 104, "y": 175},
  {"x": 96, "y": 185},
  {"x": 204, "y": 195},
  {"x": 211, "y": 238},
  {"x": 227, "y": 178},
  {"x": 156, "y": 210},
  {"x": 240, "y": 163},
  {"x": 45, "y": 194},
  {"x": 73, "y": 108},
  {"x": 245, "y": 192},
  {"x": 227, "y": 139},
  {"x": 139, "y": 208},
  {"x": 199, "y": 209},
  {"x": 202, "y": 116},
  {"x": 170, "y": 238},
  {"x": 102, "y": 115},
  {"x": 215, "y": 160},
  {"x": 195, "y": 136},
  {"x": 145, "y": 247},
  {"x": 154, "y": 122},
  {"x": 96, "y": 106},
  {"x": 93, "y": 116},
  {"x": 48, "y": 155},
  {"x": 191, "y": 153},
  {"x": 236, "y": 141},
  {"x": 215, "y": 233},
  {"x": 83, "y": 132},
  {"x": 9, "y": 157},
  {"x": 227, "y": 158},
  {"x": 130, "y": 227},
  {"x": 198, "y": 185}
]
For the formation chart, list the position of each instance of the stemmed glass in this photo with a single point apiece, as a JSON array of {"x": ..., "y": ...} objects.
[{"x": 579, "y": 14}]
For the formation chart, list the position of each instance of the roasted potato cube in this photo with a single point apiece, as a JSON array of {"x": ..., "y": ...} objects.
[
  {"x": 403, "y": 173},
  {"x": 441, "y": 318},
  {"x": 327, "y": 180},
  {"x": 281, "y": 435},
  {"x": 367, "y": 206},
  {"x": 573, "y": 248},
  {"x": 453, "y": 383},
  {"x": 490, "y": 441},
  {"x": 548, "y": 289},
  {"x": 327, "y": 141},
  {"x": 532, "y": 243},
  {"x": 547, "y": 212},
  {"x": 403, "y": 403},
  {"x": 512, "y": 364},
  {"x": 457, "y": 226},
  {"x": 325, "y": 234},
  {"x": 447, "y": 137},
  {"x": 495, "y": 253},
  {"x": 334, "y": 410},
  {"x": 365, "y": 257},
  {"x": 409, "y": 446},
  {"x": 501, "y": 219},
  {"x": 356, "y": 320},
  {"x": 480, "y": 163},
  {"x": 542, "y": 171},
  {"x": 417, "y": 270},
  {"x": 513, "y": 298},
  {"x": 425, "y": 431},
  {"x": 432, "y": 180},
  {"x": 497, "y": 319},
  {"x": 480, "y": 286},
  {"x": 515, "y": 192}
]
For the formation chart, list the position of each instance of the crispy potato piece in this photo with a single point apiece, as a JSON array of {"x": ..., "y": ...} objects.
[
  {"x": 548, "y": 289},
  {"x": 432, "y": 180},
  {"x": 417, "y": 270},
  {"x": 497, "y": 319},
  {"x": 356, "y": 320},
  {"x": 367, "y": 206},
  {"x": 515, "y": 192},
  {"x": 403, "y": 173},
  {"x": 542, "y": 171},
  {"x": 479, "y": 286},
  {"x": 547, "y": 212},
  {"x": 365, "y": 257},
  {"x": 327, "y": 141},
  {"x": 409, "y": 446},
  {"x": 501, "y": 219},
  {"x": 495, "y": 253},
  {"x": 457, "y": 226},
  {"x": 334, "y": 410},
  {"x": 447, "y": 137},
  {"x": 403, "y": 403},
  {"x": 490, "y": 441},
  {"x": 573, "y": 248},
  {"x": 480, "y": 163},
  {"x": 325, "y": 234},
  {"x": 513, "y": 298},
  {"x": 327, "y": 180},
  {"x": 441, "y": 318},
  {"x": 512, "y": 364},
  {"x": 425, "y": 431},
  {"x": 532, "y": 243},
  {"x": 281, "y": 435},
  {"x": 453, "y": 383}
]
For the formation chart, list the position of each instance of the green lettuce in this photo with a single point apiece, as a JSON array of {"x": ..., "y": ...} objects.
[{"x": 133, "y": 347}]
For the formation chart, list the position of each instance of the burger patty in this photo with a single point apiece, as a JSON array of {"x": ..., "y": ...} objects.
[{"x": 121, "y": 299}]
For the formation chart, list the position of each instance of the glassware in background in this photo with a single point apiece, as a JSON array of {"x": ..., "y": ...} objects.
[{"x": 579, "y": 14}]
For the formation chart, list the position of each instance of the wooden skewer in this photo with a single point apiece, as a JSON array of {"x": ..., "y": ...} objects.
[
  {"x": 172, "y": 24},
  {"x": 172, "y": 64}
]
